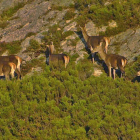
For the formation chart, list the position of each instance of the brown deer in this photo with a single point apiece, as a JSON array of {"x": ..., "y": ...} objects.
[
  {"x": 12, "y": 58},
  {"x": 7, "y": 69},
  {"x": 112, "y": 60},
  {"x": 57, "y": 57},
  {"x": 138, "y": 73},
  {"x": 94, "y": 41}
]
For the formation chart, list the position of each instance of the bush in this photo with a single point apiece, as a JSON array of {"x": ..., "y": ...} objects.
[
  {"x": 69, "y": 15},
  {"x": 12, "y": 47},
  {"x": 61, "y": 105},
  {"x": 125, "y": 13},
  {"x": 34, "y": 45}
]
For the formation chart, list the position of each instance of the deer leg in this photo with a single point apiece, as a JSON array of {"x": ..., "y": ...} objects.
[
  {"x": 6, "y": 76},
  {"x": 92, "y": 57},
  {"x": 65, "y": 61},
  {"x": 114, "y": 71},
  {"x": 105, "y": 49},
  {"x": 109, "y": 69},
  {"x": 18, "y": 74},
  {"x": 12, "y": 75},
  {"x": 122, "y": 72}
]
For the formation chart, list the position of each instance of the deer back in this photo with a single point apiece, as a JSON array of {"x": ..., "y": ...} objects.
[
  {"x": 11, "y": 58},
  {"x": 115, "y": 61}
]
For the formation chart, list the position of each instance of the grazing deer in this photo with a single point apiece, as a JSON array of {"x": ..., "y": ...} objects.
[
  {"x": 7, "y": 69},
  {"x": 57, "y": 57},
  {"x": 112, "y": 60},
  {"x": 94, "y": 41},
  {"x": 12, "y": 58}
]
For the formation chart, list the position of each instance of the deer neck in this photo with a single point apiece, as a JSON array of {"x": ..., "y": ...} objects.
[
  {"x": 85, "y": 35},
  {"x": 102, "y": 54}
]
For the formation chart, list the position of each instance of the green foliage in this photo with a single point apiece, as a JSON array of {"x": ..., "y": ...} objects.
[
  {"x": 133, "y": 68},
  {"x": 66, "y": 34},
  {"x": 71, "y": 103},
  {"x": 125, "y": 13},
  {"x": 12, "y": 47},
  {"x": 3, "y": 24},
  {"x": 8, "y": 13},
  {"x": 55, "y": 35},
  {"x": 62, "y": 105},
  {"x": 34, "y": 45},
  {"x": 30, "y": 34},
  {"x": 33, "y": 64},
  {"x": 69, "y": 15}
]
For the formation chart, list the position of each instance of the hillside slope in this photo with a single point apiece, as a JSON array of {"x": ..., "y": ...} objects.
[{"x": 54, "y": 103}]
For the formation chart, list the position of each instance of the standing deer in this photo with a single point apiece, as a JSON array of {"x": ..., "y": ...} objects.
[
  {"x": 57, "y": 57},
  {"x": 112, "y": 60},
  {"x": 12, "y": 58},
  {"x": 94, "y": 41},
  {"x": 7, "y": 69}
]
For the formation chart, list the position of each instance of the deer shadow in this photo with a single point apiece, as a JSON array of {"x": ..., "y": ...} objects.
[
  {"x": 96, "y": 57},
  {"x": 79, "y": 33},
  {"x": 136, "y": 79},
  {"x": 47, "y": 55}
]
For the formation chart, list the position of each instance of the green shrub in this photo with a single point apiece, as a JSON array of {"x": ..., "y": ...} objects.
[
  {"x": 132, "y": 69},
  {"x": 30, "y": 34},
  {"x": 125, "y": 13},
  {"x": 3, "y": 24},
  {"x": 34, "y": 45},
  {"x": 59, "y": 104},
  {"x": 69, "y": 15},
  {"x": 12, "y": 47},
  {"x": 8, "y": 13}
]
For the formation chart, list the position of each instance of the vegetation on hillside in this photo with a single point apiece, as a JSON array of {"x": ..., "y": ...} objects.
[
  {"x": 11, "y": 47},
  {"x": 69, "y": 104},
  {"x": 125, "y": 13}
]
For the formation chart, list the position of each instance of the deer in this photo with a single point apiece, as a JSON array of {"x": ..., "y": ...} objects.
[
  {"x": 57, "y": 57},
  {"x": 7, "y": 69},
  {"x": 112, "y": 60},
  {"x": 94, "y": 41},
  {"x": 138, "y": 73},
  {"x": 13, "y": 58}
]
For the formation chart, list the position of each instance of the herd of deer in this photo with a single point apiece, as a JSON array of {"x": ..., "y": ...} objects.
[
  {"x": 11, "y": 64},
  {"x": 96, "y": 44},
  {"x": 100, "y": 44}
]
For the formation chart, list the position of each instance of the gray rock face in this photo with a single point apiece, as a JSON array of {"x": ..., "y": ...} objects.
[
  {"x": 28, "y": 21},
  {"x": 126, "y": 44}
]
